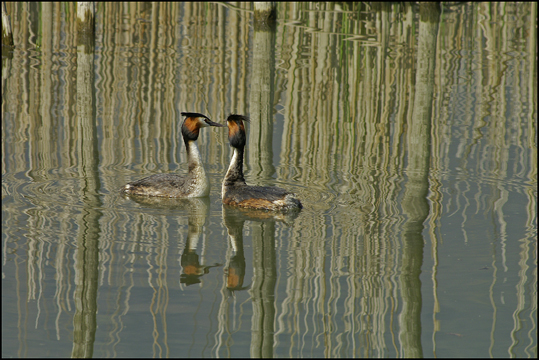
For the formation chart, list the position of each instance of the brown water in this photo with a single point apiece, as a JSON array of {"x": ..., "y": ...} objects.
[{"x": 409, "y": 135}]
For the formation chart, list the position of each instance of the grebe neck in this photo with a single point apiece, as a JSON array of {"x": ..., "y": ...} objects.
[
  {"x": 234, "y": 175},
  {"x": 194, "y": 159}
]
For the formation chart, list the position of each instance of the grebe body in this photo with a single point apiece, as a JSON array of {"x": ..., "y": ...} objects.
[
  {"x": 236, "y": 192},
  {"x": 195, "y": 183}
]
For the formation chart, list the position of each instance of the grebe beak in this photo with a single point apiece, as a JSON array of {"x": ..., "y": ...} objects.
[{"x": 211, "y": 123}]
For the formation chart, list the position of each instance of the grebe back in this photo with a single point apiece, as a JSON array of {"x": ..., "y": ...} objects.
[
  {"x": 235, "y": 190},
  {"x": 195, "y": 183}
]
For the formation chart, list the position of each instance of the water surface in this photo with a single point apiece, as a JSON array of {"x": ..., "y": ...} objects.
[{"x": 408, "y": 132}]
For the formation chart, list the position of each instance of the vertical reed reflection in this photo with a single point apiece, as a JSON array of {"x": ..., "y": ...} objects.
[
  {"x": 415, "y": 204},
  {"x": 87, "y": 255},
  {"x": 263, "y": 289},
  {"x": 260, "y": 154}
]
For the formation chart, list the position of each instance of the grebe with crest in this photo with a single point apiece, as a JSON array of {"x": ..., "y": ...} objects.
[
  {"x": 236, "y": 192},
  {"x": 195, "y": 183}
]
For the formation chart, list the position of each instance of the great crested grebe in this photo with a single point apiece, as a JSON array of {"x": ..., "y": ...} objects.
[
  {"x": 236, "y": 192},
  {"x": 195, "y": 183}
]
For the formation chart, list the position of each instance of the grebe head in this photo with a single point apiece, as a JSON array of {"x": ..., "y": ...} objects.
[
  {"x": 192, "y": 124},
  {"x": 236, "y": 130}
]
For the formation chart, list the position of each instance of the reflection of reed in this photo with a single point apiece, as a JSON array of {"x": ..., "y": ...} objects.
[
  {"x": 333, "y": 112},
  {"x": 349, "y": 114},
  {"x": 343, "y": 78},
  {"x": 260, "y": 158},
  {"x": 87, "y": 260},
  {"x": 415, "y": 204}
]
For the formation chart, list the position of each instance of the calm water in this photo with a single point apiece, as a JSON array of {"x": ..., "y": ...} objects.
[{"x": 410, "y": 135}]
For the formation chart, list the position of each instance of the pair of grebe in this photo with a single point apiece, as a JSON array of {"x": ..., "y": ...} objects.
[{"x": 235, "y": 191}]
